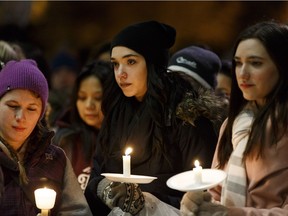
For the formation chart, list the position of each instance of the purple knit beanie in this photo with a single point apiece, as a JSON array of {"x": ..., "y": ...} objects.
[{"x": 24, "y": 74}]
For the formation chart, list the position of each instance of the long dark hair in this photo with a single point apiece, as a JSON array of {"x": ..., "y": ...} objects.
[
  {"x": 98, "y": 69},
  {"x": 274, "y": 37},
  {"x": 164, "y": 92}
]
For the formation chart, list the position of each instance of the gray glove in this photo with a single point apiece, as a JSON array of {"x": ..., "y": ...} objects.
[
  {"x": 199, "y": 203},
  {"x": 127, "y": 196}
]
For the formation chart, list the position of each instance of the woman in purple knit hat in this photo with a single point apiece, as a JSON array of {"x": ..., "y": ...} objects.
[{"x": 28, "y": 159}]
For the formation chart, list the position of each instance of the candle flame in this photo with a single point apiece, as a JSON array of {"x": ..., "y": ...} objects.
[
  {"x": 197, "y": 163},
  {"x": 128, "y": 151}
]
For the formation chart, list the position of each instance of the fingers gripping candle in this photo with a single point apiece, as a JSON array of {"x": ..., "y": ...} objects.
[
  {"x": 197, "y": 172},
  {"x": 126, "y": 162}
]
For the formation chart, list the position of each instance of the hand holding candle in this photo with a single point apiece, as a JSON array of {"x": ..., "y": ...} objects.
[
  {"x": 126, "y": 162},
  {"x": 197, "y": 172},
  {"x": 45, "y": 200}
]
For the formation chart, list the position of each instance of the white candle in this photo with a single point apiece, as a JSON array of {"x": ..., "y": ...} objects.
[
  {"x": 197, "y": 172},
  {"x": 126, "y": 162},
  {"x": 45, "y": 199}
]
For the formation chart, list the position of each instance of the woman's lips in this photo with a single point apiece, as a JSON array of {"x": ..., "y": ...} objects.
[
  {"x": 19, "y": 129},
  {"x": 245, "y": 85},
  {"x": 124, "y": 85},
  {"x": 91, "y": 115}
]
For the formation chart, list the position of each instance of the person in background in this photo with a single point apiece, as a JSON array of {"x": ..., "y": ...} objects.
[
  {"x": 100, "y": 52},
  {"x": 64, "y": 71},
  {"x": 199, "y": 66},
  {"x": 223, "y": 87},
  {"x": 78, "y": 128},
  {"x": 253, "y": 142},
  {"x": 28, "y": 159},
  {"x": 142, "y": 109},
  {"x": 7, "y": 53}
]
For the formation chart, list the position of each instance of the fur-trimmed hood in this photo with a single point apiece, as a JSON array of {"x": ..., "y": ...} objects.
[{"x": 205, "y": 104}]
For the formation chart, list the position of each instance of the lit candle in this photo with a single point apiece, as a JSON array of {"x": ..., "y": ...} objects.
[
  {"x": 197, "y": 172},
  {"x": 126, "y": 162},
  {"x": 45, "y": 200}
]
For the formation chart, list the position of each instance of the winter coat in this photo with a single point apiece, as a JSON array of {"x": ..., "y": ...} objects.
[
  {"x": 192, "y": 136},
  {"x": 267, "y": 187},
  {"x": 47, "y": 167},
  {"x": 75, "y": 140}
]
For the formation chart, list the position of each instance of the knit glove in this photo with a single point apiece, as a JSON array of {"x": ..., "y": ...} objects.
[
  {"x": 199, "y": 203},
  {"x": 127, "y": 196}
]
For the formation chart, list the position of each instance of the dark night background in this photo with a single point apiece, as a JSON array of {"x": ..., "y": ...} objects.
[{"x": 81, "y": 25}]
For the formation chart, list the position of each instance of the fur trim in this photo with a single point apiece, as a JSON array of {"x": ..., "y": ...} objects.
[{"x": 205, "y": 104}]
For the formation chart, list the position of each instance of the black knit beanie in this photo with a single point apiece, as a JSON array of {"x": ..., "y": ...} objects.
[{"x": 150, "y": 39}]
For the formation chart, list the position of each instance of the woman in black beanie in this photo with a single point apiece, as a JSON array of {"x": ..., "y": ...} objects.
[{"x": 143, "y": 109}]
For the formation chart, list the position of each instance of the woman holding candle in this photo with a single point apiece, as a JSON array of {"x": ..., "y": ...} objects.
[
  {"x": 253, "y": 142},
  {"x": 28, "y": 159},
  {"x": 78, "y": 128},
  {"x": 142, "y": 109}
]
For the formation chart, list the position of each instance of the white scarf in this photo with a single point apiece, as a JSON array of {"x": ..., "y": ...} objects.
[{"x": 235, "y": 187}]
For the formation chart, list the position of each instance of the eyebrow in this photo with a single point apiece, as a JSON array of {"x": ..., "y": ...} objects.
[
  {"x": 17, "y": 102},
  {"x": 126, "y": 56},
  {"x": 249, "y": 57}
]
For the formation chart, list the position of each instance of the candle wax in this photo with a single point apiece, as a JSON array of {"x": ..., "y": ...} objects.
[
  {"x": 45, "y": 198},
  {"x": 197, "y": 172},
  {"x": 126, "y": 165},
  {"x": 127, "y": 162}
]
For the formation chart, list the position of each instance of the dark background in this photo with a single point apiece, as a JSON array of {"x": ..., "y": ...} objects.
[{"x": 82, "y": 25}]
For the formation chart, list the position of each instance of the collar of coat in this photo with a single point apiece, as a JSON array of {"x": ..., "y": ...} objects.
[{"x": 205, "y": 104}]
